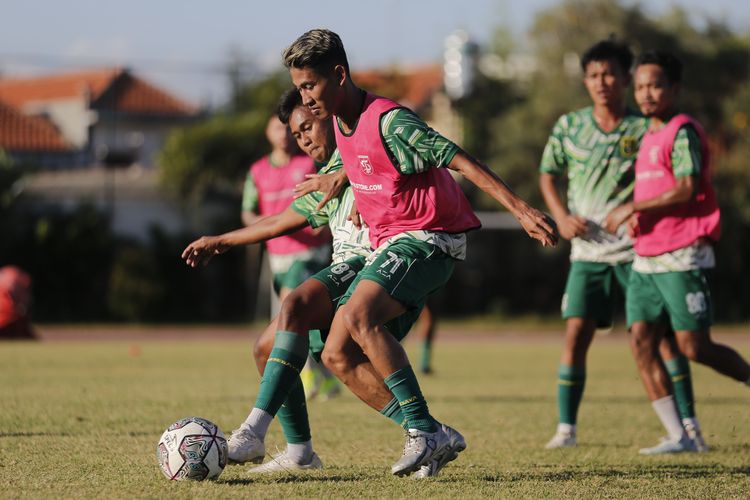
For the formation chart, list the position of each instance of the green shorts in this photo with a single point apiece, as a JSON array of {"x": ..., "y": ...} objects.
[
  {"x": 589, "y": 292},
  {"x": 298, "y": 272},
  {"x": 683, "y": 298},
  {"x": 409, "y": 270},
  {"x": 336, "y": 278}
]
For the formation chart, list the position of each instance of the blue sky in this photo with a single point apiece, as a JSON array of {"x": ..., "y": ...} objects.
[{"x": 183, "y": 45}]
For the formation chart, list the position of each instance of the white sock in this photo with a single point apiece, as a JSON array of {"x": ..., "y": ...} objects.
[
  {"x": 666, "y": 410},
  {"x": 299, "y": 453},
  {"x": 258, "y": 421},
  {"x": 566, "y": 429},
  {"x": 691, "y": 422}
]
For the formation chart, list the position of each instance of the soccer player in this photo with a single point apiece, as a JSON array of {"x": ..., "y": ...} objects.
[
  {"x": 417, "y": 216},
  {"x": 269, "y": 189},
  {"x": 313, "y": 302},
  {"x": 597, "y": 146},
  {"x": 675, "y": 219}
]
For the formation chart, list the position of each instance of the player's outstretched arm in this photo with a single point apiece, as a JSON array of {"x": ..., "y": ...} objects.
[
  {"x": 204, "y": 248},
  {"x": 328, "y": 184},
  {"x": 538, "y": 225},
  {"x": 568, "y": 224}
]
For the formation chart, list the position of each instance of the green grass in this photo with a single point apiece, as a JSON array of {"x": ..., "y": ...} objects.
[{"x": 82, "y": 420}]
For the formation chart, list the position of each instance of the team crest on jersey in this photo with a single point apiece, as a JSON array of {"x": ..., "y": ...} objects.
[
  {"x": 628, "y": 146},
  {"x": 365, "y": 165}
]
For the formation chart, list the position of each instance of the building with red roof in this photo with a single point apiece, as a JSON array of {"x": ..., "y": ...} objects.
[{"x": 74, "y": 119}]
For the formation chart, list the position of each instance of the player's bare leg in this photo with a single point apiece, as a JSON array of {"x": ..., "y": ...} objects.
[
  {"x": 362, "y": 316},
  {"x": 678, "y": 369},
  {"x": 644, "y": 343},
  {"x": 308, "y": 307},
  {"x": 579, "y": 332},
  {"x": 699, "y": 347}
]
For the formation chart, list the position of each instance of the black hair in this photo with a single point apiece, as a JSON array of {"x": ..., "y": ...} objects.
[
  {"x": 607, "y": 50},
  {"x": 319, "y": 49},
  {"x": 667, "y": 61},
  {"x": 288, "y": 101}
]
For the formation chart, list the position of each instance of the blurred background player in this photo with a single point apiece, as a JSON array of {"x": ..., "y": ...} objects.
[
  {"x": 596, "y": 147},
  {"x": 15, "y": 304},
  {"x": 676, "y": 224},
  {"x": 269, "y": 190}
]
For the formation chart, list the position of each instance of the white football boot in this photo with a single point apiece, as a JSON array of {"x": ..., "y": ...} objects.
[
  {"x": 456, "y": 444},
  {"x": 283, "y": 463},
  {"x": 562, "y": 439},
  {"x": 244, "y": 446},
  {"x": 420, "y": 449},
  {"x": 695, "y": 435},
  {"x": 684, "y": 444}
]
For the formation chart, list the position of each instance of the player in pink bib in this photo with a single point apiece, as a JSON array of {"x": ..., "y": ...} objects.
[
  {"x": 674, "y": 218},
  {"x": 417, "y": 217}
]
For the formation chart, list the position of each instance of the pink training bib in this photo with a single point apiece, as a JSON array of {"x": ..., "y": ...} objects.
[
  {"x": 391, "y": 202},
  {"x": 275, "y": 186},
  {"x": 679, "y": 226}
]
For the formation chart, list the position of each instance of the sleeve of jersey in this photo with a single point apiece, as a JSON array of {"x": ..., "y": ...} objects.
[
  {"x": 686, "y": 152},
  {"x": 553, "y": 158},
  {"x": 307, "y": 205},
  {"x": 413, "y": 145},
  {"x": 249, "y": 195}
]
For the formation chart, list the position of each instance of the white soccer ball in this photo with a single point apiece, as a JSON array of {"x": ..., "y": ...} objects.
[{"x": 192, "y": 448}]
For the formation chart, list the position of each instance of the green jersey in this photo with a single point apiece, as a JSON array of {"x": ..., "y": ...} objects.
[
  {"x": 348, "y": 241},
  {"x": 600, "y": 168}
]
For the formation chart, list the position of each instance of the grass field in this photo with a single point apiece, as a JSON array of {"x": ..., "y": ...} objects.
[{"x": 82, "y": 419}]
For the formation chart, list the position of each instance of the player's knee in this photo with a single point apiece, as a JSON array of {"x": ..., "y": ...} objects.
[
  {"x": 335, "y": 360},
  {"x": 641, "y": 340},
  {"x": 261, "y": 350},
  {"x": 292, "y": 309},
  {"x": 693, "y": 350},
  {"x": 356, "y": 324}
]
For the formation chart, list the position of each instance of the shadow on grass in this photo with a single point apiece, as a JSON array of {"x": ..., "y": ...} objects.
[
  {"x": 31, "y": 434},
  {"x": 302, "y": 478},
  {"x": 616, "y": 400},
  {"x": 648, "y": 471}
]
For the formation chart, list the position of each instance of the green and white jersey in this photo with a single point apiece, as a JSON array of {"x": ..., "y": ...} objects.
[
  {"x": 415, "y": 147},
  {"x": 601, "y": 175},
  {"x": 348, "y": 241},
  {"x": 686, "y": 160}
]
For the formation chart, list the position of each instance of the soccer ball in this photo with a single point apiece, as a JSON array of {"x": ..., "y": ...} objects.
[{"x": 192, "y": 448}]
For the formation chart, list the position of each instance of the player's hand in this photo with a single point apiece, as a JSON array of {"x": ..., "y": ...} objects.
[
  {"x": 632, "y": 226},
  {"x": 354, "y": 216},
  {"x": 572, "y": 226},
  {"x": 328, "y": 184},
  {"x": 617, "y": 217},
  {"x": 202, "y": 249},
  {"x": 539, "y": 226}
]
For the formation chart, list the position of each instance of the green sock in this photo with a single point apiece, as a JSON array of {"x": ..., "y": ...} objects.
[
  {"x": 570, "y": 384},
  {"x": 679, "y": 371},
  {"x": 293, "y": 415},
  {"x": 426, "y": 356},
  {"x": 287, "y": 358},
  {"x": 393, "y": 411},
  {"x": 403, "y": 384}
]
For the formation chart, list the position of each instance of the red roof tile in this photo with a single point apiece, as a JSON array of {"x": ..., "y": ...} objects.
[
  {"x": 129, "y": 92},
  {"x": 20, "y": 91},
  {"x": 27, "y": 133}
]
